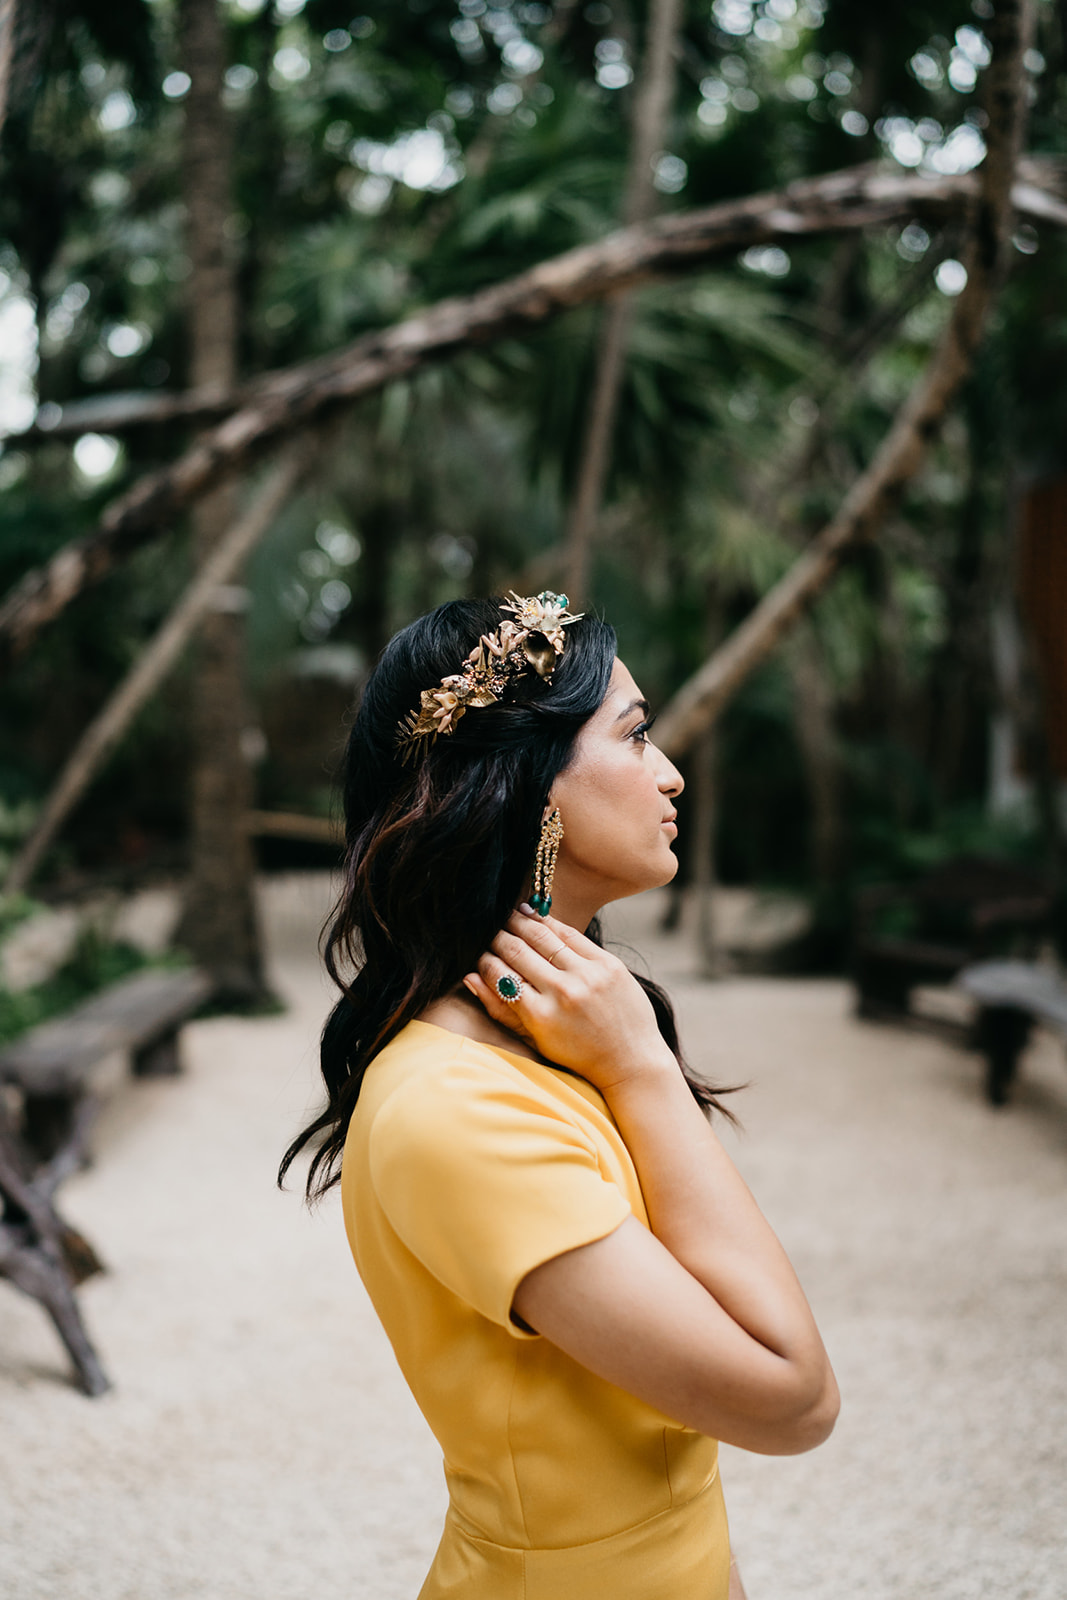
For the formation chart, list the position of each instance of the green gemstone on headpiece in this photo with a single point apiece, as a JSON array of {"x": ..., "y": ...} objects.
[
  {"x": 564, "y": 602},
  {"x": 507, "y": 987}
]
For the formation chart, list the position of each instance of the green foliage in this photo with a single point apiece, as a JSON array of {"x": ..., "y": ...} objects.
[
  {"x": 899, "y": 854},
  {"x": 14, "y": 908},
  {"x": 94, "y": 962},
  {"x": 430, "y": 148}
]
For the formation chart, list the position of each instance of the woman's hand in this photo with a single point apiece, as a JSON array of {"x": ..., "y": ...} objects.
[{"x": 579, "y": 1006}]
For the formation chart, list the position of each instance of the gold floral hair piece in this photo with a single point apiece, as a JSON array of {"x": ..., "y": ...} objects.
[{"x": 532, "y": 642}]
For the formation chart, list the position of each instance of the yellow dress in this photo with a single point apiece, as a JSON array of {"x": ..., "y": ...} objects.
[{"x": 465, "y": 1167}]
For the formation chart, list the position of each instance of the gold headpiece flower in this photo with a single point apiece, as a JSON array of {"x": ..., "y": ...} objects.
[{"x": 532, "y": 642}]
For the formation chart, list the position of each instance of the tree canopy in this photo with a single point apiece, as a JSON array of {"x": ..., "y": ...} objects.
[{"x": 432, "y": 152}]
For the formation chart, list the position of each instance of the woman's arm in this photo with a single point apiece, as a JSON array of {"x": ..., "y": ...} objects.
[
  {"x": 737, "y": 1588},
  {"x": 703, "y": 1317}
]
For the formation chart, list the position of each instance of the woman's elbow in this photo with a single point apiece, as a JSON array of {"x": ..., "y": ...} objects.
[
  {"x": 799, "y": 1417},
  {"x": 812, "y": 1421},
  {"x": 816, "y": 1424}
]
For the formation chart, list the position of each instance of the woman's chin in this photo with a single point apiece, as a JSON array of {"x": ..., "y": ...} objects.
[
  {"x": 667, "y": 871},
  {"x": 665, "y": 856},
  {"x": 655, "y": 874}
]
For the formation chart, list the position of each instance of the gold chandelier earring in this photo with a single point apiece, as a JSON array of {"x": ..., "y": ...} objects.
[{"x": 545, "y": 864}]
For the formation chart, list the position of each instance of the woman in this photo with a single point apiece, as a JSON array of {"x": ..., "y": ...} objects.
[{"x": 580, "y": 1291}]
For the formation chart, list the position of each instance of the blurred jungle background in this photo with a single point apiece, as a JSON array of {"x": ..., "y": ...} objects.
[
  {"x": 743, "y": 322},
  {"x": 210, "y": 216}
]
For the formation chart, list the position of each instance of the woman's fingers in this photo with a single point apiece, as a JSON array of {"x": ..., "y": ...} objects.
[
  {"x": 574, "y": 941},
  {"x": 523, "y": 957},
  {"x": 582, "y": 1010},
  {"x": 542, "y": 938},
  {"x": 482, "y": 985},
  {"x": 559, "y": 968}
]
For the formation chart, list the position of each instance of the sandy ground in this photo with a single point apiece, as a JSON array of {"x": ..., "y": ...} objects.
[{"x": 260, "y": 1444}]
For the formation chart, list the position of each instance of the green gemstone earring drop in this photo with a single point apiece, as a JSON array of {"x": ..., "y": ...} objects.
[{"x": 545, "y": 864}]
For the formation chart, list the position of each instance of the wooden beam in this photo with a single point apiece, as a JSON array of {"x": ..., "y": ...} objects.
[
  {"x": 700, "y": 700},
  {"x": 855, "y": 199}
]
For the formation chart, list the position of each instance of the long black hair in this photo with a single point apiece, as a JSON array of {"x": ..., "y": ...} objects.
[{"x": 438, "y": 850}]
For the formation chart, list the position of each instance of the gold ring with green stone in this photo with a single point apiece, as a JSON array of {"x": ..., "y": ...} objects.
[{"x": 509, "y": 988}]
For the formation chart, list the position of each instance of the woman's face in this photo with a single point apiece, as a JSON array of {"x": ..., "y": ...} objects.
[{"x": 615, "y": 800}]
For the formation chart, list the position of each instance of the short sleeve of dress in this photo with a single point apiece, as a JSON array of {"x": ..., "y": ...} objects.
[{"x": 483, "y": 1179}]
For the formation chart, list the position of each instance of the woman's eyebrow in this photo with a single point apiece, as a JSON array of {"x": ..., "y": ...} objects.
[{"x": 635, "y": 705}]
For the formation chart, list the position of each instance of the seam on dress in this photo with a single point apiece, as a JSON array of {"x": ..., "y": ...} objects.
[
  {"x": 511, "y": 1451},
  {"x": 563, "y": 1114},
  {"x": 590, "y": 1544},
  {"x": 635, "y": 1527},
  {"x": 667, "y": 1469}
]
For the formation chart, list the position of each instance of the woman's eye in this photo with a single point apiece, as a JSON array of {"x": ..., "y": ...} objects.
[{"x": 640, "y": 733}]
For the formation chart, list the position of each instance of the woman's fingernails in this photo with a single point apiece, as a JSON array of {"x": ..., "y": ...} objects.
[
  {"x": 467, "y": 984},
  {"x": 527, "y": 909}
]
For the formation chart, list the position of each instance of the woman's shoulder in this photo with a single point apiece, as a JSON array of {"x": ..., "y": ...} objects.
[
  {"x": 457, "y": 1112},
  {"x": 428, "y": 1046},
  {"x": 430, "y": 1057},
  {"x": 429, "y": 1080}
]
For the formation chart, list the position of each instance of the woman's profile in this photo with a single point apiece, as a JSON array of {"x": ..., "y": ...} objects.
[{"x": 580, "y": 1290}]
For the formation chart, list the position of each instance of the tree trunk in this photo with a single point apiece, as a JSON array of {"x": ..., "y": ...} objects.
[
  {"x": 219, "y": 922},
  {"x": 699, "y": 701},
  {"x": 595, "y": 460},
  {"x": 368, "y": 615},
  {"x": 8, "y": 25},
  {"x": 703, "y": 819},
  {"x": 112, "y": 722},
  {"x": 652, "y": 109},
  {"x": 25, "y": 30},
  {"x": 814, "y": 720},
  {"x": 704, "y": 778}
]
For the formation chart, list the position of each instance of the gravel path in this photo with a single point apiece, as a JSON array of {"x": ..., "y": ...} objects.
[{"x": 260, "y": 1444}]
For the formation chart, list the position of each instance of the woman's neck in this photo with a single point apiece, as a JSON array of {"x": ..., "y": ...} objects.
[{"x": 460, "y": 1013}]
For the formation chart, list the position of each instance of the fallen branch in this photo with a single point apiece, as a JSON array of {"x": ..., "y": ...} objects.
[
  {"x": 290, "y": 825},
  {"x": 109, "y": 725},
  {"x": 125, "y": 409},
  {"x": 653, "y": 98},
  {"x": 1036, "y": 196},
  {"x": 699, "y": 701},
  {"x": 855, "y": 199}
]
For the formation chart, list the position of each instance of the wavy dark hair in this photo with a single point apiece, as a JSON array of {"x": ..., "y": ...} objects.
[{"x": 438, "y": 850}]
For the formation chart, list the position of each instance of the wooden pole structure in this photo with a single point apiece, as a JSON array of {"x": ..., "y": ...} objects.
[
  {"x": 283, "y": 403},
  {"x": 152, "y": 666},
  {"x": 652, "y": 110},
  {"x": 699, "y": 701}
]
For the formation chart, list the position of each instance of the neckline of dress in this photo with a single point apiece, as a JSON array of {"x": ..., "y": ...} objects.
[{"x": 512, "y": 1055}]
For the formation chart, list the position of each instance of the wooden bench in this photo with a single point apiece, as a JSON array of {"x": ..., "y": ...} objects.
[
  {"x": 970, "y": 909},
  {"x": 49, "y": 1089},
  {"x": 1011, "y": 996}
]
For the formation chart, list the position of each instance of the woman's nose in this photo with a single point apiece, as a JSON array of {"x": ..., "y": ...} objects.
[{"x": 671, "y": 781}]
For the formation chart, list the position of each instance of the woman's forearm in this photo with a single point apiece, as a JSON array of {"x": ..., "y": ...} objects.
[{"x": 700, "y": 1208}]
